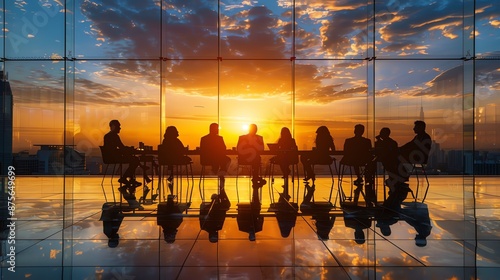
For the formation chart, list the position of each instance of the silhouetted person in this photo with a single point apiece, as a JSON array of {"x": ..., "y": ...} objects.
[
  {"x": 320, "y": 153},
  {"x": 114, "y": 145},
  {"x": 249, "y": 148},
  {"x": 169, "y": 218},
  {"x": 357, "y": 151},
  {"x": 324, "y": 224},
  {"x": 385, "y": 220},
  {"x": 358, "y": 154},
  {"x": 417, "y": 150},
  {"x": 250, "y": 220},
  {"x": 175, "y": 152},
  {"x": 111, "y": 218},
  {"x": 387, "y": 152},
  {"x": 287, "y": 154},
  {"x": 213, "y": 153},
  {"x": 359, "y": 223},
  {"x": 417, "y": 215},
  {"x": 212, "y": 217}
]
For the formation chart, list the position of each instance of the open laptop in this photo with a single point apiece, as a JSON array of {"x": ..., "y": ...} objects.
[{"x": 273, "y": 146}]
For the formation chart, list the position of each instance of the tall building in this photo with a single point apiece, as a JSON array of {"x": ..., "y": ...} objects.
[{"x": 6, "y": 124}]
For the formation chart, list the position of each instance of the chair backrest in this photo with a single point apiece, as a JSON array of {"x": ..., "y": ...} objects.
[
  {"x": 110, "y": 156},
  {"x": 168, "y": 157}
]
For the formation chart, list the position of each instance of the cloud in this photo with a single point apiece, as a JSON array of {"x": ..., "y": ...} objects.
[{"x": 252, "y": 35}]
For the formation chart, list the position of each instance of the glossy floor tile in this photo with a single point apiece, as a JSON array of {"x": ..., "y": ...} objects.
[{"x": 454, "y": 234}]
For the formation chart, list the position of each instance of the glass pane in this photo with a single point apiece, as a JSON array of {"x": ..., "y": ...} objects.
[
  {"x": 487, "y": 136},
  {"x": 118, "y": 29},
  {"x": 190, "y": 99},
  {"x": 486, "y": 27},
  {"x": 326, "y": 29},
  {"x": 256, "y": 92},
  {"x": 35, "y": 29},
  {"x": 256, "y": 30},
  {"x": 122, "y": 91},
  {"x": 330, "y": 93},
  {"x": 418, "y": 29},
  {"x": 431, "y": 91},
  {"x": 189, "y": 29},
  {"x": 38, "y": 93}
]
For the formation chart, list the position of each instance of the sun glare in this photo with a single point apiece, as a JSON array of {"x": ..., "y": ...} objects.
[{"x": 245, "y": 127}]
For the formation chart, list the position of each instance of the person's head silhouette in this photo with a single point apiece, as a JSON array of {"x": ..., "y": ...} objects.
[
  {"x": 359, "y": 129},
  {"x": 214, "y": 128},
  {"x": 419, "y": 127},
  {"x": 359, "y": 236},
  {"x": 114, "y": 126},
  {"x": 285, "y": 133},
  {"x": 252, "y": 129},
  {"x": 385, "y": 132},
  {"x": 171, "y": 132}
]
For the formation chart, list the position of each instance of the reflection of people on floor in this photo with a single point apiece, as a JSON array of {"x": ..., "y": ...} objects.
[
  {"x": 387, "y": 152},
  {"x": 249, "y": 148},
  {"x": 213, "y": 153},
  {"x": 111, "y": 218},
  {"x": 309, "y": 192},
  {"x": 324, "y": 224},
  {"x": 287, "y": 154},
  {"x": 114, "y": 146},
  {"x": 169, "y": 218},
  {"x": 417, "y": 215},
  {"x": 320, "y": 153},
  {"x": 175, "y": 152},
  {"x": 359, "y": 222},
  {"x": 384, "y": 221},
  {"x": 212, "y": 217},
  {"x": 358, "y": 154},
  {"x": 249, "y": 219},
  {"x": 286, "y": 221}
]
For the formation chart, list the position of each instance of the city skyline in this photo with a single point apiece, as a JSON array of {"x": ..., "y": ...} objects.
[{"x": 269, "y": 63}]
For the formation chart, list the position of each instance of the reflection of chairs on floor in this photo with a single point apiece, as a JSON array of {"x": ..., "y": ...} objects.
[
  {"x": 180, "y": 178},
  {"x": 294, "y": 174},
  {"x": 203, "y": 175},
  {"x": 248, "y": 166},
  {"x": 109, "y": 158},
  {"x": 355, "y": 188},
  {"x": 329, "y": 163}
]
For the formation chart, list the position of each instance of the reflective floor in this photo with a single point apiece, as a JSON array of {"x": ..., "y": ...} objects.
[{"x": 453, "y": 235}]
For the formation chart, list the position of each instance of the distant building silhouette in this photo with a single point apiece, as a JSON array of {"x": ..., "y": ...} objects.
[
  {"x": 60, "y": 159},
  {"x": 25, "y": 163},
  {"x": 5, "y": 124}
]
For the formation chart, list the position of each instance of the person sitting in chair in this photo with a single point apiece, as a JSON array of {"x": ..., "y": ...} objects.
[
  {"x": 357, "y": 151},
  {"x": 287, "y": 154},
  {"x": 417, "y": 150},
  {"x": 213, "y": 152},
  {"x": 320, "y": 154},
  {"x": 114, "y": 145},
  {"x": 175, "y": 152},
  {"x": 249, "y": 148}
]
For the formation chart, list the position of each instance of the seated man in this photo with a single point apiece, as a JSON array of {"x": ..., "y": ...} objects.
[
  {"x": 213, "y": 152},
  {"x": 417, "y": 150},
  {"x": 249, "y": 148},
  {"x": 357, "y": 151},
  {"x": 117, "y": 149}
]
